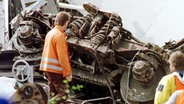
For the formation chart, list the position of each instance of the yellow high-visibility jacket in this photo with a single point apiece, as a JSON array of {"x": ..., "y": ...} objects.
[
  {"x": 167, "y": 85},
  {"x": 55, "y": 56}
]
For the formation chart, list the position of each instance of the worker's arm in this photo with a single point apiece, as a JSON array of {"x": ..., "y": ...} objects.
[
  {"x": 164, "y": 89},
  {"x": 63, "y": 56}
]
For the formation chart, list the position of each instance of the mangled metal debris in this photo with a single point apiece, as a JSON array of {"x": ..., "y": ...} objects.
[{"x": 102, "y": 52}]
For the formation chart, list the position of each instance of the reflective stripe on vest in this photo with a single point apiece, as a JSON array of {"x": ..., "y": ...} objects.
[
  {"x": 45, "y": 66},
  {"x": 47, "y": 60}
]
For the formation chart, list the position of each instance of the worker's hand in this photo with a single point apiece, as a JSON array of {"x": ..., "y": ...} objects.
[{"x": 69, "y": 78}]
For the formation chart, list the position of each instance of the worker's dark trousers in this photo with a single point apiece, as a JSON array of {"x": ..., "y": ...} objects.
[{"x": 58, "y": 88}]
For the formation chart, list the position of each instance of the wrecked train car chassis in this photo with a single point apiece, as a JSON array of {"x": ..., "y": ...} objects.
[{"x": 102, "y": 53}]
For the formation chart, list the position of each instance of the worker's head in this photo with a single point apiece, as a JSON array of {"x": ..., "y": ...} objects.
[
  {"x": 62, "y": 19},
  {"x": 176, "y": 60}
]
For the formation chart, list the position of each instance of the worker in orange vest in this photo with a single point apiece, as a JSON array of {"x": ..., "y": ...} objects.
[
  {"x": 55, "y": 61},
  {"x": 176, "y": 98},
  {"x": 171, "y": 82}
]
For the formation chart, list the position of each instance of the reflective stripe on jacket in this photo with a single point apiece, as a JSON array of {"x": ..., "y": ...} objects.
[
  {"x": 180, "y": 98},
  {"x": 55, "y": 56}
]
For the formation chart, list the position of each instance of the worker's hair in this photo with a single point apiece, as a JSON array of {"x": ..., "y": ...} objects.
[
  {"x": 177, "y": 60},
  {"x": 62, "y": 18}
]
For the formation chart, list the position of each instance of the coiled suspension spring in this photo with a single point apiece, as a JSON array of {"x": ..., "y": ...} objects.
[
  {"x": 100, "y": 36},
  {"x": 80, "y": 26}
]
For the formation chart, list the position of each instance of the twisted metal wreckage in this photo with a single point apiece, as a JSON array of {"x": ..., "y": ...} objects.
[{"x": 102, "y": 52}]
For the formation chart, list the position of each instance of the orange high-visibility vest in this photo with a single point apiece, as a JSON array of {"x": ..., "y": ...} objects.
[
  {"x": 55, "y": 56},
  {"x": 180, "y": 98},
  {"x": 178, "y": 83}
]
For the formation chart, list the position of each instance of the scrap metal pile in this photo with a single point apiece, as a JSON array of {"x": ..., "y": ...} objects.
[{"x": 102, "y": 52}]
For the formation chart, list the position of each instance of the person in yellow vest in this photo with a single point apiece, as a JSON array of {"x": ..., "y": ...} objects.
[
  {"x": 173, "y": 81},
  {"x": 176, "y": 98},
  {"x": 55, "y": 61}
]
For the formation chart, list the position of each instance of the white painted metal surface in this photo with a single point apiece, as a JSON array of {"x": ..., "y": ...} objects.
[
  {"x": 2, "y": 23},
  {"x": 7, "y": 87},
  {"x": 75, "y": 7}
]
